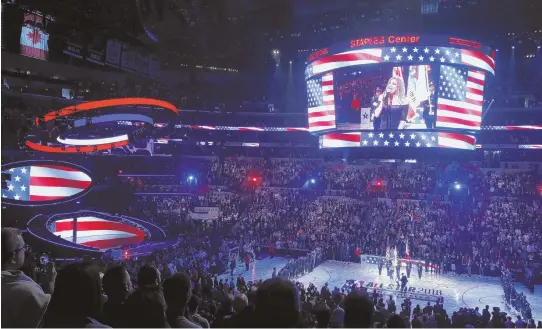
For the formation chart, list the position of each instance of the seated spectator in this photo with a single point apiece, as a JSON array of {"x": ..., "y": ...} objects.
[
  {"x": 77, "y": 300},
  {"x": 323, "y": 315},
  {"x": 395, "y": 321},
  {"x": 148, "y": 277},
  {"x": 117, "y": 287},
  {"x": 177, "y": 292},
  {"x": 23, "y": 300},
  {"x": 145, "y": 308},
  {"x": 193, "y": 315},
  {"x": 358, "y": 311},
  {"x": 277, "y": 296}
]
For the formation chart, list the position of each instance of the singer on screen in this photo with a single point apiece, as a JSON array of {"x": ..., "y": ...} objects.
[{"x": 393, "y": 107}]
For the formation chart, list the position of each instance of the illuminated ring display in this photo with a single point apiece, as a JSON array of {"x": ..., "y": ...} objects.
[
  {"x": 74, "y": 149},
  {"x": 108, "y": 103},
  {"x": 93, "y": 142},
  {"x": 93, "y": 145},
  {"x": 114, "y": 117}
]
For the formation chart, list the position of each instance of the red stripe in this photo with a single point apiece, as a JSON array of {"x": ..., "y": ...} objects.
[
  {"x": 460, "y": 137},
  {"x": 59, "y": 182},
  {"x": 463, "y": 42},
  {"x": 322, "y": 124},
  {"x": 110, "y": 226},
  {"x": 45, "y": 198},
  {"x": 344, "y": 137},
  {"x": 329, "y": 102},
  {"x": 477, "y": 81},
  {"x": 459, "y": 110},
  {"x": 64, "y": 226},
  {"x": 321, "y": 114},
  {"x": 328, "y": 92},
  {"x": 112, "y": 243},
  {"x": 474, "y": 101},
  {"x": 458, "y": 121},
  {"x": 109, "y": 103},
  {"x": 73, "y": 149},
  {"x": 327, "y": 83},
  {"x": 475, "y": 91},
  {"x": 346, "y": 58},
  {"x": 479, "y": 56},
  {"x": 529, "y": 127},
  {"x": 56, "y": 167}
]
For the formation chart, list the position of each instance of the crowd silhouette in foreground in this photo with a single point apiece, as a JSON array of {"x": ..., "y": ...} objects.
[{"x": 78, "y": 296}]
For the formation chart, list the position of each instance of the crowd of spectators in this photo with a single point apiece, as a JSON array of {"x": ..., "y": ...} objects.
[
  {"x": 489, "y": 227},
  {"x": 172, "y": 289}
]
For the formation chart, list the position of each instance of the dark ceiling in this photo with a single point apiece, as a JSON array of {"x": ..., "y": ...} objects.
[{"x": 237, "y": 33}]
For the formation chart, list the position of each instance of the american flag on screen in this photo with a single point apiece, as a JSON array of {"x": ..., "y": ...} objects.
[
  {"x": 399, "y": 139},
  {"x": 460, "y": 98},
  {"x": 321, "y": 103},
  {"x": 409, "y": 55},
  {"x": 44, "y": 183},
  {"x": 97, "y": 232}
]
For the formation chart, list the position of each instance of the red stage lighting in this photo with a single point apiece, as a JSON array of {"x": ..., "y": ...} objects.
[
  {"x": 254, "y": 179},
  {"x": 378, "y": 183}
]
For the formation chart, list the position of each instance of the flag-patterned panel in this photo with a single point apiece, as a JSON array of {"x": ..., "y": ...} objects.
[
  {"x": 397, "y": 139},
  {"x": 460, "y": 98},
  {"x": 44, "y": 182},
  {"x": 321, "y": 103},
  {"x": 98, "y": 233},
  {"x": 409, "y": 55}
]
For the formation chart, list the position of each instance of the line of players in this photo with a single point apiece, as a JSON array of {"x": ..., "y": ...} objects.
[{"x": 401, "y": 277}]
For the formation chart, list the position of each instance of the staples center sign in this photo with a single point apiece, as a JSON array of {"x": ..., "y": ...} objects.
[{"x": 388, "y": 40}]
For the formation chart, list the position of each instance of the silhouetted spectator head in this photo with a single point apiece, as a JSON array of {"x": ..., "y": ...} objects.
[
  {"x": 145, "y": 308},
  {"x": 322, "y": 314},
  {"x": 77, "y": 297},
  {"x": 277, "y": 296},
  {"x": 13, "y": 249},
  {"x": 239, "y": 303},
  {"x": 395, "y": 321},
  {"x": 148, "y": 277},
  {"x": 177, "y": 292},
  {"x": 117, "y": 284},
  {"x": 358, "y": 311}
]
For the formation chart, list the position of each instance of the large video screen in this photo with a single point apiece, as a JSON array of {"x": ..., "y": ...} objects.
[
  {"x": 396, "y": 88},
  {"x": 386, "y": 97}
]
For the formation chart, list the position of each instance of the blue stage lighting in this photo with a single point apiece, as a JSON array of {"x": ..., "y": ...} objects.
[
  {"x": 190, "y": 177},
  {"x": 457, "y": 186},
  {"x": 313, "y": 181}
]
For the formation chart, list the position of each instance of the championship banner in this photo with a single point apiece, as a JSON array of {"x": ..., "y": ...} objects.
[
  {"x": 95, "y": 55},
  {"x": 128, "y": 60},
  {"x": 73, "y": 49},
  {"x": 142, "y": 63},
  {"x": 112, "y": 55}
]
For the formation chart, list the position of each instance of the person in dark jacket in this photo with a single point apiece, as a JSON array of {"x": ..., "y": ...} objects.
[
  {"x": 77, "y": 300},
  {"x": 117, "y": 287}
]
